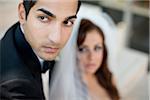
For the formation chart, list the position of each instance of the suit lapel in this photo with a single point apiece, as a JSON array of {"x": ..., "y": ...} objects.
[
  {"x": 28, "y": 56},
  {"x": 26, "y": 52}
]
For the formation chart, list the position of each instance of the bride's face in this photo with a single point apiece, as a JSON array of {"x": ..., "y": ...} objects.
[{"x": 90, "y": 53}]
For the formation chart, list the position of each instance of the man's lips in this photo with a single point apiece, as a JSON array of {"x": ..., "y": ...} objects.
[{"x": 50, "y": 49}]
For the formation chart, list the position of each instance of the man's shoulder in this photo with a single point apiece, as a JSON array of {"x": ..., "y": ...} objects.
[
  {"x": 8, "y": 50},
  {"x": 11, "y": 64},
  {"x": 9, "y": 33}
]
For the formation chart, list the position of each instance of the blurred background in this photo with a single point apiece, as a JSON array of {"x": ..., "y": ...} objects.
[{"x": 131, "y": 18}]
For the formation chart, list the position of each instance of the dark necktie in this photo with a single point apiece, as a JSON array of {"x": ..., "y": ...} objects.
[{"x": 47, "y": 65}]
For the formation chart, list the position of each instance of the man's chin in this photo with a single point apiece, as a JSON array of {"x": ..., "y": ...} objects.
[{"x": 50, "y": 57}]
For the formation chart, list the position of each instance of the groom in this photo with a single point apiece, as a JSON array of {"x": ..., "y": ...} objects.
[{"x": 42, "y": 31}]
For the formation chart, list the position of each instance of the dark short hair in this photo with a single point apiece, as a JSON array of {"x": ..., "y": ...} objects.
[{"x": 28, "y": 4}]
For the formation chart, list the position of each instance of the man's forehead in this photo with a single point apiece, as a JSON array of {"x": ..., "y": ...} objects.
[
  {"x": 59, "y": 9},
  {"x": 58, "y": 0}
]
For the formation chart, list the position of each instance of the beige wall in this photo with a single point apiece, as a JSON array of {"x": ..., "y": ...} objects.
[{"x": 8, "y": 14}]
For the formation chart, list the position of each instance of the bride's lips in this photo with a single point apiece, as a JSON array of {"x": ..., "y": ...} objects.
[
  {"x": 90, "y": 65},
  {"x": 50, "y": 49}
]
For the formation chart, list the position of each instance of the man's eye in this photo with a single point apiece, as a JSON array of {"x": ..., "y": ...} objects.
[
  {"x": 43, "y": 18},
  {"x": 68, "y": 23}
]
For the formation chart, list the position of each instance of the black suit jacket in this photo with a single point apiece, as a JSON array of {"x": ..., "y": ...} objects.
[{"x": 20, "y": 70}]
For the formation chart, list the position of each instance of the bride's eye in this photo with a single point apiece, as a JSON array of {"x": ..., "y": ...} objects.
[
  {"x": 83, "y": 50},
  {"x": 98, "y": 48}
]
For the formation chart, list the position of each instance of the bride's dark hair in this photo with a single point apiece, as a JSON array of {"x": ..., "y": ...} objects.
[{"x": 103, "y": 75}]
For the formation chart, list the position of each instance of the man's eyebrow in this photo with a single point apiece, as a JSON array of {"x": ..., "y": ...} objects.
[
  {"x": 70, "y": 17},
  {"x": 46, "y": 12}
]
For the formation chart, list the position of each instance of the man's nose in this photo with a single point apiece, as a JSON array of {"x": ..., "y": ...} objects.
[{"x": 55, "y": 35}]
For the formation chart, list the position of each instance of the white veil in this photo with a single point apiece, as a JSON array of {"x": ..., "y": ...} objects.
[{"x": 66, "y": 83}]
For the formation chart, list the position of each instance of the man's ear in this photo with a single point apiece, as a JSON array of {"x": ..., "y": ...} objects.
[{"x": 21, "y": 13}]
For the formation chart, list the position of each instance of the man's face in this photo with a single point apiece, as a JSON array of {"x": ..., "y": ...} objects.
[{"x": 48, "y": 26}]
